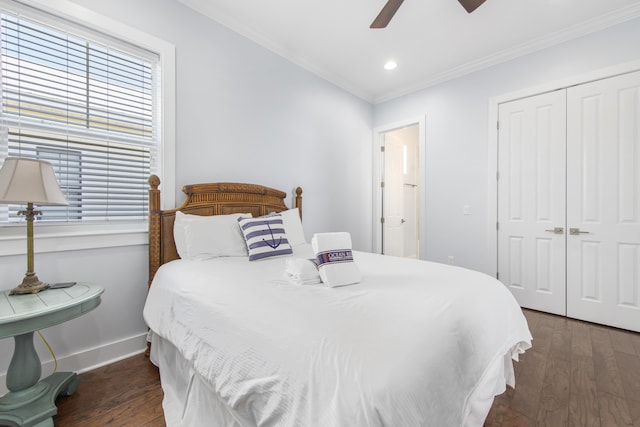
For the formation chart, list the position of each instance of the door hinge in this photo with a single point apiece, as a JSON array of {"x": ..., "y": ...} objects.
[
  {"x": 381, "y": 220},
  {"x": 497, "y": 226},
  {"x": 382, "y": 148},
  {"x": 497, "y": 175},
  {"x": 382, "y": 184},
  {"x": 498, "y": 124},
  {"x": 497, "y": 275}
]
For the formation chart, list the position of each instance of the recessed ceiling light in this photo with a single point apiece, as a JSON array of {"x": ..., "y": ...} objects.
[{"x": 390, "y": 65}]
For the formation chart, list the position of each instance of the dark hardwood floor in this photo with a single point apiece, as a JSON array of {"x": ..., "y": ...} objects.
[
  {"x": 125, "y": 393},
  {"x": 576, "y": 374}
]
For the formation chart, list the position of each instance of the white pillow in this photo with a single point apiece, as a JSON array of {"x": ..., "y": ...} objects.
[
  {"x": 201, "y": 237},
  {"x": 178, "y": 233},
  {"x": 293, "y": 227}
]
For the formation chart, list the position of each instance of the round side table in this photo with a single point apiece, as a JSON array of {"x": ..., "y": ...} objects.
[{"x": 31, "y": 401}]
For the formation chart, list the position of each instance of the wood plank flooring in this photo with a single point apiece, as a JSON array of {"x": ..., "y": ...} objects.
[
  {"x": 576, "y": 374},
  {"x": 124, "y": 394}
]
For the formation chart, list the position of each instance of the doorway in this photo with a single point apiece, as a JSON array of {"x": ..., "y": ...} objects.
[{"x": 397, "y": 220}]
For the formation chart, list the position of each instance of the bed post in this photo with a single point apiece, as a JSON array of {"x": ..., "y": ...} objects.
[
  {"x": 154, "y": 226},
  {"x": 154, "y": 234},
  {"x": 299, "y": 201}
]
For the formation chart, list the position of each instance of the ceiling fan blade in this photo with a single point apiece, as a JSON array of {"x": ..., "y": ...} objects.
[
  {"x": 471, "y": 5},
  {"x": 386, "y": 14}
]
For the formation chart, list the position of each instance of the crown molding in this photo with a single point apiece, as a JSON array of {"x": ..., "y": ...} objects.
[
  {"x": 208, "y": 10},
  {"x": 590, "y": 26}
]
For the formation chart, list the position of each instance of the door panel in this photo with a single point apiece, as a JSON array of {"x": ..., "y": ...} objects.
[
  {"x": 411, "y": 244},
  {"x": 544, "y": 264},
  {"x": 531, "y": 200},
  {"x": 628, "y": 262},
  {"x": 603, "y": 201}
]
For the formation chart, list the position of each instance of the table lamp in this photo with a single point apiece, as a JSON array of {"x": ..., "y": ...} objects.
[{"x": 29, "y": 181}]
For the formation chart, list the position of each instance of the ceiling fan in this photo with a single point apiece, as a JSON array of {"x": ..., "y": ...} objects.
[{"x": 392, "y": 6}]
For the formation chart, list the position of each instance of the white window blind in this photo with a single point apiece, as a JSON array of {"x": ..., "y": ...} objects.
[{"x": 88, "y": 107}]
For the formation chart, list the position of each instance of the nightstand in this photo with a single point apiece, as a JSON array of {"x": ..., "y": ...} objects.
[{"x": 31, "y": 402}]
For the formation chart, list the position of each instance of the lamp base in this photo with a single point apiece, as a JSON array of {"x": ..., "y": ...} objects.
[{"x": 30, "y": 285}]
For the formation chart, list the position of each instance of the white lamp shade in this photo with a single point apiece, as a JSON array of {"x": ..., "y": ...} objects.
[{"x": 24, "y": 180}]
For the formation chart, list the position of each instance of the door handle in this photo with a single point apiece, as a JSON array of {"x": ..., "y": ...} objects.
[
  {"x": 576, "y": 231},
  {"x": 556, "y": 230}
]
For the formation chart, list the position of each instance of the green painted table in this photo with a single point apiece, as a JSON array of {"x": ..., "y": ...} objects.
[{"x": 31, "y": 401}]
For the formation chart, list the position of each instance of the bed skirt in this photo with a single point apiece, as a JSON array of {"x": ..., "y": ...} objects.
[
  {"x": 190, "y": 402},
  {"x": 188, "y": 399}
]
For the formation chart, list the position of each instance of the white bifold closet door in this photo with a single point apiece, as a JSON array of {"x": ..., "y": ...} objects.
[
  {"x": 603, "y": 201},
  {"x": 531, "y": 200},
  {"x": 569, "y": 201}
]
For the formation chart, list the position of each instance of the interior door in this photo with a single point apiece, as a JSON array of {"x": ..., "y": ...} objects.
[
  {"x": 531, "y": 200},
  {"x": 411, "y": 174},
  {"x": 603, "y": 201},
  {"x": 393, "y": 197}
]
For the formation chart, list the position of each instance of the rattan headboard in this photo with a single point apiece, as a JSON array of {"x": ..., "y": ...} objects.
[{"x": 207, "y": 199}]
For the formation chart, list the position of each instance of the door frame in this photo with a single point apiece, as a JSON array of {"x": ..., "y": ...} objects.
[
  {"x": 492, "y": 149},
  {"x": 377, "y": 177}
]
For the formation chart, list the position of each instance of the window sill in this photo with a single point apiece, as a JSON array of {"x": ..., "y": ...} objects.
[{"x": 60, "y": 238}]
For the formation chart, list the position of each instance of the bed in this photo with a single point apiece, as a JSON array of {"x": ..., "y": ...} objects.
[{"x": 414, "y": 343}]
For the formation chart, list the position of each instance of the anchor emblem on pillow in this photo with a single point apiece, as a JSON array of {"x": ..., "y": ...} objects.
[{"x": 273, "y": 244}]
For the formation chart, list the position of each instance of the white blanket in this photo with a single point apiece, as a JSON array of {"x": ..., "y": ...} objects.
[{"x": 407, "y": 346}]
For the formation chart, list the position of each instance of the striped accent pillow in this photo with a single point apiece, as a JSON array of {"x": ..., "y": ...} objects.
[{"x": 265, "y": 237}]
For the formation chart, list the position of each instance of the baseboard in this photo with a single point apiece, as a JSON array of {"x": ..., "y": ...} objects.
[{"x": 90, "y": 359}]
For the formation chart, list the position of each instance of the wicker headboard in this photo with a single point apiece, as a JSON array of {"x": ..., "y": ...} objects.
[{"x": 206, "y": 199}]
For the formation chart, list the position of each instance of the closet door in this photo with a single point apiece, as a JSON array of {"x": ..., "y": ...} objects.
[
  {"x": 603, "y": 201},
  {"x": 531, "y": 200}
]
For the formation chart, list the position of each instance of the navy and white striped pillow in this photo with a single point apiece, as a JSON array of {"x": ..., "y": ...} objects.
[{"x": 265, "y": 237}]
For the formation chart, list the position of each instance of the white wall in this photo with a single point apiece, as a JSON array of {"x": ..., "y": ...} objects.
[
  {"x": 111, "y": 331},
  {"x": 244, "y": 114},
  {"x": 457, "y": 131}
]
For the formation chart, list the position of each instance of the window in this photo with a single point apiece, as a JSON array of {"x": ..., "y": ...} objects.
[
  {"x": 86, "y": 103},
  {"x": 78, "y": 234}
]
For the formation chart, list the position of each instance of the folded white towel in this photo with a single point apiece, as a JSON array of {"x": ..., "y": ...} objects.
[
  {"x": 302, "y": 271},
  {"x": 335, "y": 259}
]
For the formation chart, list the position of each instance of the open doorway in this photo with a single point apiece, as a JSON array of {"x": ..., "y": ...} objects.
[{"x": 397, "y": 181}]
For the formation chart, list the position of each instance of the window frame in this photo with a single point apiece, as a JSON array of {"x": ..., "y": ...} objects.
[{"x": 65, "y": 237}]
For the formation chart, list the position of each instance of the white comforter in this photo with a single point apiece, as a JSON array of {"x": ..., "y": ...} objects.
[{"x": 405, "y": 347}]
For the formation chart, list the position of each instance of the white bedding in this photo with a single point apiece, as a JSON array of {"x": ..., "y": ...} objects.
[{"x": 413, "y": 344}]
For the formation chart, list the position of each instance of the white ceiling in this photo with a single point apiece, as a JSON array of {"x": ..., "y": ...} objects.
[{"x": 431, "y": 40}]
